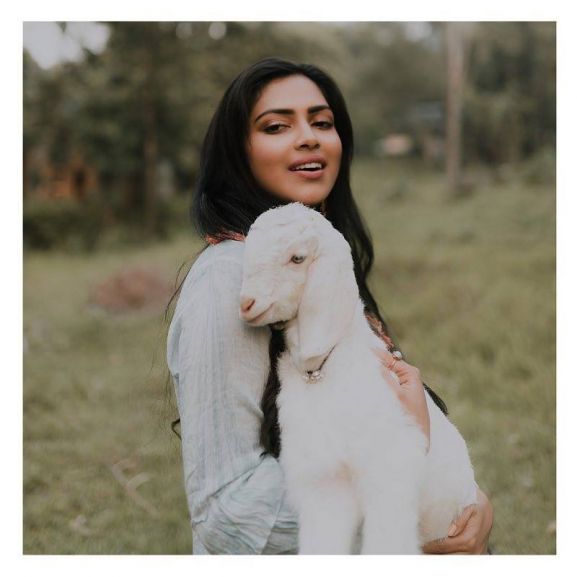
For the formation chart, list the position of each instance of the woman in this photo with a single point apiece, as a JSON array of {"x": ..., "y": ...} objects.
[{"x": 280, "y": 134}]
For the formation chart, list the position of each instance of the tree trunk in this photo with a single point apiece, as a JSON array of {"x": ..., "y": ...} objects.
[
  {"x": 150, "y": 164},
  {"x": 25, "y": 179},
  {"x": 455, "y": 83},
  {"x": 150, "y": 142}
]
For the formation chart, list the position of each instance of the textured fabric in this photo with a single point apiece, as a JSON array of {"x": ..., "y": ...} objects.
[{"x": 219, "y": 366}]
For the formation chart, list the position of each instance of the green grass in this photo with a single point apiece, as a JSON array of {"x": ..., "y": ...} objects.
[{"x": 467, "y": 284}]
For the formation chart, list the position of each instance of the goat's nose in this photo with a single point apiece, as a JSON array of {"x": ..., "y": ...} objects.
[{"x": 246, "y": 304}]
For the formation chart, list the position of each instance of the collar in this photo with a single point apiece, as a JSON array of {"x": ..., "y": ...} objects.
[{"x": 316, "y": 375}]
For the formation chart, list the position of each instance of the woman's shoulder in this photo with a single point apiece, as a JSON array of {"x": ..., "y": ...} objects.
[
  {"x": 227, "y": 252},
  {"x": 223, "y": 260},
  {"x": 216, "y": 274},
  {"x": 206, "y": 317}
]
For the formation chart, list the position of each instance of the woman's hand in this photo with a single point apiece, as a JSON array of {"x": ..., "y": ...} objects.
[
  {"x": 409, "y": 390},
  {"x": 469, "y": 533}
]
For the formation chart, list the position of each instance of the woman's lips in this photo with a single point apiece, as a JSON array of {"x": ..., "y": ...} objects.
[{"x": 309, "y": 174}]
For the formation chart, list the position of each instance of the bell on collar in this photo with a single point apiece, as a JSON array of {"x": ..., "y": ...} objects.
[{"x": 312, "y": 376}]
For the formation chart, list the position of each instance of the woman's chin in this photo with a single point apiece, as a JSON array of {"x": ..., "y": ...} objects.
[{"x": 307, "y": 194}]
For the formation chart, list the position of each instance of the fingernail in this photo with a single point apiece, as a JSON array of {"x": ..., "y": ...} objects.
[{"x": 452, "y": 530}]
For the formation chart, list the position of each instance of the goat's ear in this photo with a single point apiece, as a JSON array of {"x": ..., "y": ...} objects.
[
  {"x": 327, "y": 306},
  {"x": 308, "y": 244}
]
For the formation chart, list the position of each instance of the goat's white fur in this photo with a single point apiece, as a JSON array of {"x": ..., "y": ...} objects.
[{"x": 350, "y": 453}]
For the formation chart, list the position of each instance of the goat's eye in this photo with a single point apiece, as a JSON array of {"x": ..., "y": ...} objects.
[{"x": 297, "y": 259}]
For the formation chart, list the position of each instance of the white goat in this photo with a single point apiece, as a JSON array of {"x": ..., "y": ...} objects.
[{"x": 350, "y": 453}]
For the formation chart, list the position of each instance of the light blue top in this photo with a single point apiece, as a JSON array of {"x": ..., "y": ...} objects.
[{"x": 219, "y": 365}]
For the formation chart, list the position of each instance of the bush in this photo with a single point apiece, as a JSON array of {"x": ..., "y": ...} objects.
[
  {"x": 81, "y": 226},
  {"x": 173, "y": 216},
  {"x": 541, "y": 167},
  {"x": 62, "y": 223}
]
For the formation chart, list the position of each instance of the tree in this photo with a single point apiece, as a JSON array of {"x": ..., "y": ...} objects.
[
  {"x": 510, "y": 99},
  {"x": 457, "y": 40}
]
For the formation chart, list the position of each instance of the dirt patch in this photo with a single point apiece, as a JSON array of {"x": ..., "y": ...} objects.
[{"x": 133, "y": 289}]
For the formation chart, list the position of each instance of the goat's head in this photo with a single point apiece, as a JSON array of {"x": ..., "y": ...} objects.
[{"x": 296, "y": 265}]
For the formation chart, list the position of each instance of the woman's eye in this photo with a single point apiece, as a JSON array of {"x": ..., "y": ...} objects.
[
  {"x": 324, "y": 124},
  {"x": 297, "y": 258},
  {"x": 273, "y": 128}
]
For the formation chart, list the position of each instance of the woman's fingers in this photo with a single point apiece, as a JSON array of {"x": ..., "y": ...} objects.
[
  {"x": 409, "y": 388},
  {"x": 457, "y": 541},
  {"x": 460, "y": 523},
  {"x": 385, "y": 357},
  {"x": 470, "y": 532},
  {"x": 446, "y": 546},
  {"x": 391, "y": 362},
  {"x": 407, "y": 374},
  {"x": 437, "y": 547}
]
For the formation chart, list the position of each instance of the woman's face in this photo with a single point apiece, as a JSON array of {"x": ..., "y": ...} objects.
[{"x": 293, "y": 148}]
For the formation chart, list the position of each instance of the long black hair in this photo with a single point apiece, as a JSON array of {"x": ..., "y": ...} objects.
[
  {"x": 227, "y": 196},
  {"x": 228, "y": 199}
]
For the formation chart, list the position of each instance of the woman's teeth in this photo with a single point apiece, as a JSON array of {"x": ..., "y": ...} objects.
[{"x": 309, "y": 166}]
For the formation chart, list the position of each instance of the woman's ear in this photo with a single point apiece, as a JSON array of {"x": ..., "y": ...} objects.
[{"x": 327, "y": 305}]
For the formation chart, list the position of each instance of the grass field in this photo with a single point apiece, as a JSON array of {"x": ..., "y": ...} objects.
[{"x": 467, "y": 284}]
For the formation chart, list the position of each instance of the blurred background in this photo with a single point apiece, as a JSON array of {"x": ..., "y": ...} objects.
[{"x": 455, "y": 176}]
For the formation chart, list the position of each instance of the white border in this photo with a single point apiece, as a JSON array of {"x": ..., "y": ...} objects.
[{"x": 303, "y": 10}]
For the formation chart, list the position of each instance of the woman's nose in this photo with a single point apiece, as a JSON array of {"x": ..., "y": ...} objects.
[
  {"x": 311, "y": 144},
  {"x": 307, "y": 138}
]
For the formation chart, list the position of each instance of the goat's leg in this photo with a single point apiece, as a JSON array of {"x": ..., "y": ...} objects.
[
  {"x": 390, "y": 517},
  {"x": 328, "y": 520}
]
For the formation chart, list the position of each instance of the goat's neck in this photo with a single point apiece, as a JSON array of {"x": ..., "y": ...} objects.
[{"x": 356, "y": 323}]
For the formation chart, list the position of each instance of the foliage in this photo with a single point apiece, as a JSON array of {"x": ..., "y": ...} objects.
[
  {"x": 67, "y": 224},
  {"x": 510, "y": 109},
  {"x": 148, "y": 97},
  {"x": 540, "y": 168},
  {"x": 393, "y": 75},
  {"x": 49, "y": 224}
]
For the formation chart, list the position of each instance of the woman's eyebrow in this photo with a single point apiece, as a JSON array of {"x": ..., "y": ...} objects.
[{"x": 289, "y": 111}]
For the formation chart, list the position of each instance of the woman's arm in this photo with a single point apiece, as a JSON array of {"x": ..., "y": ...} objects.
[
  {"x": 470, "y": 532},
  {"x": 235, "y": 495},
  {"x": 409, "y": 389}
]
